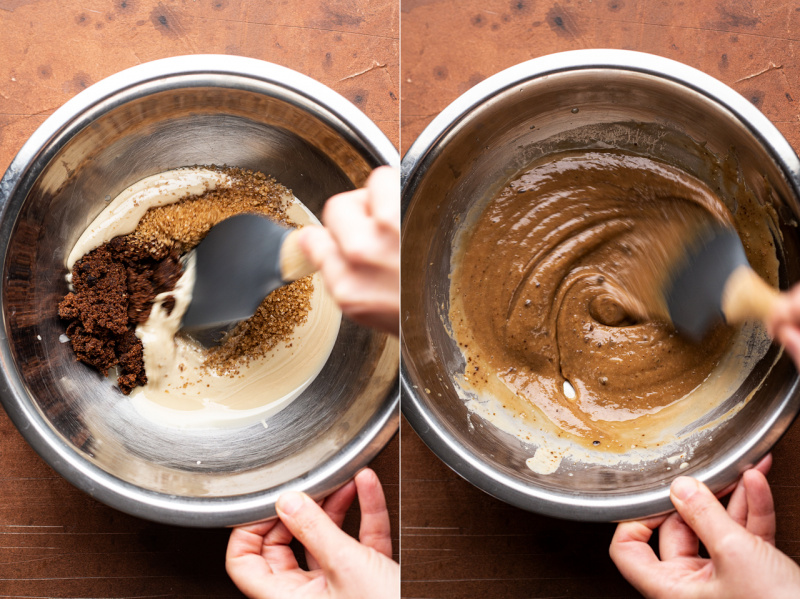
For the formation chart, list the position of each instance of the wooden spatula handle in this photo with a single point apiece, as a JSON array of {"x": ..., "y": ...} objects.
[
  {"x": 294, "y": 264},
  {"x": 746, "y": 296}
]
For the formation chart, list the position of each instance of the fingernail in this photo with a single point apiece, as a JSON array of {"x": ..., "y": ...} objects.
[
  {"x": 683, "y": 487},
  {"x": 290, "y": 503},
  {"x": 365, "y": 473}
]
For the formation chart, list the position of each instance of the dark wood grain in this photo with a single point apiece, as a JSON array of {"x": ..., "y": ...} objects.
[
  {"x": 50, "y": 49},
  {"x": 54, "y": 540},
  {"x": 458, "y": 542},
  {"x": 449, "y": 47}
]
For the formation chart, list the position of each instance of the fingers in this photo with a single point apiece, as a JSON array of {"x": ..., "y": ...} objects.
[
  {"x": 365, "y": 223},
  {"x": 779, "y": 316},
  {"x": 317, "y": 245},
  {"x": 632, "y": 554},
  {"x": 355, "y": 288},
  {"x": 386, "y": 320},
  {"x": 760, "y": 507},
  {"x": 375, "y": 531},
  {"x": 346, "y": 217},
  {"x": 367, "y": 294},
  {"x": 275, "y": 548},
  {"x": 323, "y": 253},
  {"x": 266, "y": 541},
  {"x": 243, "y": 560},
  {"x": 309, "y": 523},
  {"x": 370, "y": 296},
  {"x": 676, "y": 539},
  {"x": 764, "y": 464},
  {"x": 737, "y": 506},
  {"x": 750, "y": 507},
  {"x": 703, "y": 513},
  {"x": 358, "y": 251},
  {"x": 336, "y": 506},
  {"x": 248, "y": 540},
  {"x": 789, "y": 336},
  {"x": 384, "y": 197},
  {"x": 338, "y": 502},
  {"x": 786, "y": 311}
]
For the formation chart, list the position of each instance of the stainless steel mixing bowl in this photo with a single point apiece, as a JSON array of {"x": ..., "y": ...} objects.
[
  {"x": 151, "y": 118},
  {"x": 581, "y": 99}
]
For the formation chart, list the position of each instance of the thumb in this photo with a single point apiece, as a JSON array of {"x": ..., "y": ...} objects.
[
  {"x": 310, "y": 525},
  {"x": 703, "y": 513},
  {"x": 317, "y": 244}
]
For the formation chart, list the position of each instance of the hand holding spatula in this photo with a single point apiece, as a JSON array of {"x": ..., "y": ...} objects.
[
  {"x": 715, "y": 281},
  {"x": 244, "y": 258}
]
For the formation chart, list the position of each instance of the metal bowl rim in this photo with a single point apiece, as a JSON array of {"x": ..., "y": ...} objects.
[{"x": 20, "y": 175}]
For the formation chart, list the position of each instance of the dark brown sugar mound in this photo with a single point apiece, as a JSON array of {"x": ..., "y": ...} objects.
[{"x": 114, "y": 286}]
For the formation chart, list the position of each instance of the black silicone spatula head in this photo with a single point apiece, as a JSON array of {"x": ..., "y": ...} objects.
[
  {"x": 694, "y": 293},
  {"x": 236, "y": 266}
]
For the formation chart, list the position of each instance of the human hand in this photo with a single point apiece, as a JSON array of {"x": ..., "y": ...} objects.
[
  {"x": 744, "y": 562},
  {"x": 263, "y": 566},
  {"x": 358, "y": 250},
  {"x": 784, "y": 322}
]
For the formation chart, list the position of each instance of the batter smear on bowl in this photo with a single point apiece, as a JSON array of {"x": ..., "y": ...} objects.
[
  {"x": 555, "y": 304},
  {"x": 131, "y": 290}
]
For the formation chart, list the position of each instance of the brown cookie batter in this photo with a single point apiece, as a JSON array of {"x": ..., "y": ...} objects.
[{"x": 555, "y": 293}]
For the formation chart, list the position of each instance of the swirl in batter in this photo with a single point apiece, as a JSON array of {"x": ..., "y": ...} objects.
[{"x": 555, "y": 294}]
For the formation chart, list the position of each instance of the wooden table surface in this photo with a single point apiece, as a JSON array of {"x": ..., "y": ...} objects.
[
  {"x": 458, "y": 542},
  {"x": 54, "y": 540}
]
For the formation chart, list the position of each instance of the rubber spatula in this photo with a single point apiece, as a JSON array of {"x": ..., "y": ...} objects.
[
  {"x": 237, "y": 264},
  {"x": 715, "y": 282}
]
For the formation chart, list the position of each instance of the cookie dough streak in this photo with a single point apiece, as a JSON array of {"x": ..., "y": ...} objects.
[{"x": 159, "y": 330}]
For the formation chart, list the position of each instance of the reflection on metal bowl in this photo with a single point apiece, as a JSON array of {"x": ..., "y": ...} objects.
[
  {"x": 572, "y": 101},
  {"x": 155, "y": 117}
]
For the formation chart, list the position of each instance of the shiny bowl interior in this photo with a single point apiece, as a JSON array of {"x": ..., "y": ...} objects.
[
  {"x": 577, "y": 100},
  {"x": 155, "y": 117}
]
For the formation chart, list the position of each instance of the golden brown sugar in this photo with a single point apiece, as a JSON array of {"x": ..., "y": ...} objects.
[
  {"x": 184, "y": 224},
  {"x": 274, "y": 321}
]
